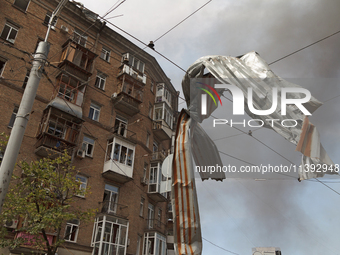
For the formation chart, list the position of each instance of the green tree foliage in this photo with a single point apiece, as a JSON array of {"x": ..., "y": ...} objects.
[{"x": 41, "y": 197}]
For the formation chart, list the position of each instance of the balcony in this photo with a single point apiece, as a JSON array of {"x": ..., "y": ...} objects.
[
  {"x": 161, "y": 130},
  {"x": 117, "y": 172},
  {"x": 170, "y": 215},
  {"x": 111, "y": 208},
  {"x": 76, "y": 59},
  {"x": 57, "y": 131},
  {"x": 126, "y": 103},
  {"x": 158, "y": 156},
  {"x": 136, "y": 75},
  {"x": 118, "y": 165},
  {"x": 154, "y": 192},
  {"x": 70, "y": 89},
  {"x": 155, "y": 225},
  {"x": 51, "y": 146}
]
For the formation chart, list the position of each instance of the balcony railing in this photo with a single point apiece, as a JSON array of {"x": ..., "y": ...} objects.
[
  {"x": 136, "y": 75},
  {"x": 49, "y": 144},
  {"x": 70, "y": 93},
  {"x": 126, "y": 103},
  {"x": 79, "y": 58},
  {"x": 111, "y": 208},
  {"x": 158, "y": 156},
  {"x": 155, "y": 225},
  {"x": 161, "y": 130}
]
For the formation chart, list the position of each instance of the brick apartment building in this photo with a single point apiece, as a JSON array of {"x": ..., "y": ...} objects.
[{"x": 103, "y": 98}]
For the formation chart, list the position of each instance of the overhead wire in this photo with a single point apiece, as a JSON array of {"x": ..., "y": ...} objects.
[{"x": 180, "y": 22}]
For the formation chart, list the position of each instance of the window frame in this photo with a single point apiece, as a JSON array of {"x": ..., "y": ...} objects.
[
  {"x": 79, "y": 36},
  {"x": 11, "y": 27},
  {"x": 95, "y": 110},
  {"x": 13, "y": 117},
  {"x": 141, "y": 207},
  {"x": 24, "y": 84},
  {"x": 105, "y": 54},
  {"x": 122, "y": 124},
  {"x": 28, "y": 2},
  {"x": 81, "y": 184},
  {"x": 54, "y": 22},
  {"x": 68, "y": 223},
  {"x": 111, "y": 152},
  {"x": 86, "y": 142},
  {"x": 100, "y": 80},
  {"x": 2, "y": 69}
]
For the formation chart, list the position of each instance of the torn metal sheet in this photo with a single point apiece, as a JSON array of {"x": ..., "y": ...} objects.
[
  {"x": 205, "y": 152},
  {"x": 249, "y": 71},
  {"x": 187, "y": 228},
  {"x": 315, "y": 161}
]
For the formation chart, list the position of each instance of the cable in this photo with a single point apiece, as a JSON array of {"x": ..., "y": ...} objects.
[
  {"x": 180, "y": 22},
  {"x": 143, "y": 43},
  {"x": 304, "y": 48},
  {"x": 219, "y": 246},
  {"x": 113, "y": 8}
]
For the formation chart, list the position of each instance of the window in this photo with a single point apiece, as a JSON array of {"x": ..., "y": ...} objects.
[
  {"x": 82, "y": 184},
  {"x": 151, "y": 215},
  {"x": 138, "y": 245},
  {"x": 155, "y": 147},
  {"x": 147, "y": 139},
  {"x": 94, "y": 112},
  {"x": 105, "y": 54},
  {"x": 120, "y": 151},
  {"x": 109, "y": 235},
  {"x": 120, "y": 127},
  {"x": 21, "y": 4},
  {"x": 145, "y": 169},
  {"x": 14, "y": 115},
  {"x": 141, "y": 207},
  {"x": 71, "y": 231},
  {"x": 26, "y": 78},
  {"x": 1, "y": 156},
  {"x": 159, "y": 217},
  {"x": 100, "y": 81},
  {"x": 47, "y": 20},
  {"x": 110, "y": 199},
  {"x": 79, "y": 37},
  {"x": 154, "y": 244},
  {"x": 88, "y": 145},
  {"x": 133, "y": 62},
  {"x": 2, "y": 65},
  {"x": 152, "y": 86},
  {"x": 9, "y": 33},
  {"x": 150, "y": 111}
]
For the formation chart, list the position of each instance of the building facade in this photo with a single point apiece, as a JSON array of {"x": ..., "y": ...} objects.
[
  {"x": 266, "y": 251},
  {"x": 108, "y": 103}
]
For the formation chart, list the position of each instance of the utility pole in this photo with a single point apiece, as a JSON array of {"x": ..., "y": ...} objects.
[{"x": 25, "y": 108}]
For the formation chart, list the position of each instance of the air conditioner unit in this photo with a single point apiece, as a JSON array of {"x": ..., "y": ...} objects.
[
  {"x": 81, "y": 154},
  {"x": 114, "y": 95},
  {"x": 64, "y": 29},
  {"x": 125, "y": 58},
  {"x": 11, "y": 223}
]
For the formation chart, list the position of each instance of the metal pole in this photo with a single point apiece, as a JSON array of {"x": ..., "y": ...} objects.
[{"x": 18, "y": 130}]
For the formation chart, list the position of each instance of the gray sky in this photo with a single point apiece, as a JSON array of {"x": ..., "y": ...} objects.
[{"x": 241, "y": 213}]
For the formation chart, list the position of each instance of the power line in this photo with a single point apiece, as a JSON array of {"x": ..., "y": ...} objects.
[
  {"x": 286, "y": 56},
  {"x": 181, "y": 22},
  {"x": 219, "y": 246}
]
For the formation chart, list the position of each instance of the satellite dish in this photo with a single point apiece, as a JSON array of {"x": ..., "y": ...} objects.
[
  {"x": 167, "y": 173},
  {"x": 167, "y": 166}
]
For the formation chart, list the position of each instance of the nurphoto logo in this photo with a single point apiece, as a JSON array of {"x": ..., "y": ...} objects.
[{"x": 239, "y": 98}]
